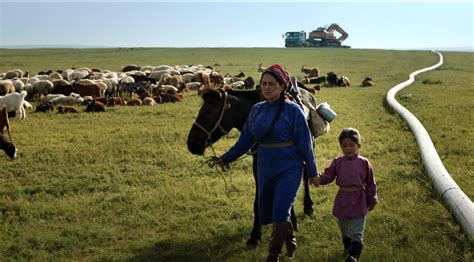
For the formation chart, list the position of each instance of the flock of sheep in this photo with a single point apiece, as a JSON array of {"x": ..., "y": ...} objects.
[
  {"x": 96, "y": 89},
  {"x": 132, "y": 85},
  {"x": 151, "y": 84}
]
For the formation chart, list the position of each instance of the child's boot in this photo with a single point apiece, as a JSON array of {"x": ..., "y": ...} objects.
[
  {"x": 354, "y": 252},
  {"x": 347, "y": 244}
]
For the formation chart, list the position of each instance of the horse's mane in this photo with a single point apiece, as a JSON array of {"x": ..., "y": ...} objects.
[
  {"x": 254, "y": 95},
  {"x": 248, "y": 94}
]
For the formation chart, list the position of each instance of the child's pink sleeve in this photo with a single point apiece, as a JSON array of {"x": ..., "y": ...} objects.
[
  {"x": 371, "y": 188},
  {"x": 329, "y": 174}
]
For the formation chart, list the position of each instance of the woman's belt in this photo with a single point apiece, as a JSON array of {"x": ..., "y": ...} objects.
[
  {"x": 351, "y": 188},
  {"x": 276, "y": 145}
]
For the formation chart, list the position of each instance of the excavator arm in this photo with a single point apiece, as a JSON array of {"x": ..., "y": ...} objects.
[{"x": 337, "y": 28}]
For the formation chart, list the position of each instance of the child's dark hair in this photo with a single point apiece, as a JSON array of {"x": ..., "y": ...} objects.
[{"x": 351, "y": 133}]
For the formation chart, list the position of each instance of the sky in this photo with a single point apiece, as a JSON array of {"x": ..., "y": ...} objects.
[{"x": 371, "y": 25}]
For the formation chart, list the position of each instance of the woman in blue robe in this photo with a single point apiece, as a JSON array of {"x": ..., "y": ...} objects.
[{"x": 284, "y": 146}]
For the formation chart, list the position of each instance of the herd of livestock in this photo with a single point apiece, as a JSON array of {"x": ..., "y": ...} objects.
[{"x": 133, "y": 85}]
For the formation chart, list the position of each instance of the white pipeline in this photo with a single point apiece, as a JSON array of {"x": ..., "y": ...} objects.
[{"x": 455, "y": 199}]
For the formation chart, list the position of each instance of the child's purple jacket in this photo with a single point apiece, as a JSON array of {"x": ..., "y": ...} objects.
[{"x": 348, "y": 172}]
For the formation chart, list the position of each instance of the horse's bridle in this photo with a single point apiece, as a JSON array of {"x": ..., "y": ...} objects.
[{"x": 225, "y": 106}]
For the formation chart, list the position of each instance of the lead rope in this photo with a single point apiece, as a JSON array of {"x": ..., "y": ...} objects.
[{"x": 212, "y": 163}]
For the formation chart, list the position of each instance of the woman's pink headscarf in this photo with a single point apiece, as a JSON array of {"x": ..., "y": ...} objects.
[{"x": 279, "y": 73}]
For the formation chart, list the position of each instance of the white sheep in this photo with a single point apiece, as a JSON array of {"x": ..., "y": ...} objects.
[
  {"x": 168, "y": 88},
  {"x": 238, "y": 85},
  {"x": 67, "y": 100},
  {"x": 14, "y": 102},
  {"x": 67, "y": 74},
  {"x": 42, "y": 87},
  {"x": 162, "y": 67},
  {"x": 32, "y": 80},
  {"x": 19, "y": 85},
  {"x": 27, "y": 105},
  {"x": 193, "y": 85},
  {"x": 111, "y": 75},
  {"x": 28, "y": 88},
  {"x": 146, "y": 68},
  {"x": 79, "y": 74},
  {"x": 50, "y": 97},
  {"x": 14, "y": 73},
  {"x": 112, "y": 85},
  {"x": 187, "y": 77},
  {"x": 55, "y": 76},
  {"x": 42, "y": 77}
]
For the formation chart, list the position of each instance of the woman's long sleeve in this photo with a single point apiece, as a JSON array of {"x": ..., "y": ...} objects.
[{"x": 243, "y": 144}]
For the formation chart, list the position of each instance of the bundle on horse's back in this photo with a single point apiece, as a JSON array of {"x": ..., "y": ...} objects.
[{"x": 317, "y": 125}]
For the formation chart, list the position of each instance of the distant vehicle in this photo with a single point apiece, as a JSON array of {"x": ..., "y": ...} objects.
[{"x": 321, "y": 37}]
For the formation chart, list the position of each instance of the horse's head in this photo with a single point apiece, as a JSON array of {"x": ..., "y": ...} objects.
[
  {"x": 9, "y": 148},
  {"x": 212, "y": 122}
]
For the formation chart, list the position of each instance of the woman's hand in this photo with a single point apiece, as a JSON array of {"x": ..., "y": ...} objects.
[
  {"x": 314, "y": 180},
  {"x": 218, "y": 161}
]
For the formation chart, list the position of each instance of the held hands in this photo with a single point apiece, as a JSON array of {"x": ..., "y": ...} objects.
[{"x": 314, "y": 180}]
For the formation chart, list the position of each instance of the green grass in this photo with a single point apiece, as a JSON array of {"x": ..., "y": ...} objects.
[{"x": 122, "y": 185}]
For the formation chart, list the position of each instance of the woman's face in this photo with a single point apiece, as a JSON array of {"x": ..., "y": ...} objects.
[{"x": 271, "y": 89}]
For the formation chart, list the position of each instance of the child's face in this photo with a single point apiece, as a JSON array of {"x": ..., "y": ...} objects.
[{"x": 349, "y": 147}]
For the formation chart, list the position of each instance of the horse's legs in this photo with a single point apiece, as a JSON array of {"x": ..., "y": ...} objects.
[
  {"x": 256, "y": 234},
  {"x": 307, "y": 201}
]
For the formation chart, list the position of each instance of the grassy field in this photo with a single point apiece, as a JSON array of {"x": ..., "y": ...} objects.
[{"x": 122, "y": 185}]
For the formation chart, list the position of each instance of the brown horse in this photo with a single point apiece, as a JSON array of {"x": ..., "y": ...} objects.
[
  {"x": 8, "y": 147},
  {"x": 4, "y": 122},
  {"x": 221, "y": 111}
]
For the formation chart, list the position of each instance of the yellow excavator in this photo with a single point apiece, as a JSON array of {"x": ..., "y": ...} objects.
[{"x": 321, "y": 37}]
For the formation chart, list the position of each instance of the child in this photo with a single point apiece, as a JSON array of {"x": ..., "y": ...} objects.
[{"x": 357, "y": 193}]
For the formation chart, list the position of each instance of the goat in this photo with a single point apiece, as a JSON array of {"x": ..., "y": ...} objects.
[
  {"x": 343, "y": 81},
  {"x": 44, "y": 107},
  {"x": 134, "y": 102},
  {"x": 240, "y": 75},
  {"x": 310, "y": 72},
  {"x": 95, "y": 106},
  {"x": 112, "y": 101},
  {"x": 216, "y": 78},
  {"x": 14, "y": 102},
  {"x": 367, "y": 82},
  {"x": 261, "y": 69},
  {"x": 66, "y": 109},
  {"x": 167, "y": 97}
]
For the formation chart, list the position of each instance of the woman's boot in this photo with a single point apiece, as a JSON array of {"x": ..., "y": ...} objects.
[
  {"x": 290, "y": 242},
  {"x": 279, "y": 232}
]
